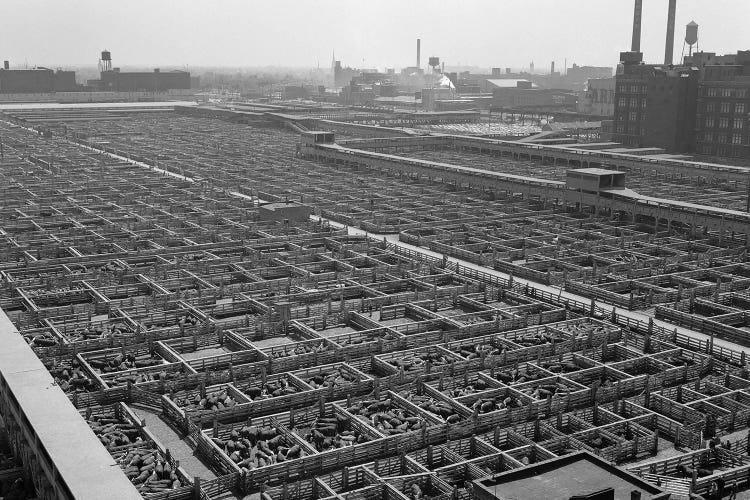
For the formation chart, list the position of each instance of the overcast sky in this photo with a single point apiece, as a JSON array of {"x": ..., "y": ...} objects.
[{"x": 374, "y": 33}]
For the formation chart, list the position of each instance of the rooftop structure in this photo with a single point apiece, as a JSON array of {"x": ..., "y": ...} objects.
[
  {"x": 595, "y": 180},
  {"x": 285, "y": 212}
]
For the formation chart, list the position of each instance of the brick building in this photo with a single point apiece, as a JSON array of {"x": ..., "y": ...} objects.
[
  {"x": 37, "y": 80},
  {"x": 655, "y": 105},
  {"x": 522, "y": 94},
  {"x": 723, "y": 111},
  {"x": 118, "y": 81},
  {"x": 18, "y": 81},
  {"x": 598, "y": 98}
]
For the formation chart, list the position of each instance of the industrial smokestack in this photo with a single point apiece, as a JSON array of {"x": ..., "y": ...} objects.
[
  {"x": 635, "y": 44},
  {"x": 418, "y": 52},
  {"x": 552, "y": 68},
  {"x": 669, "y": 47}
]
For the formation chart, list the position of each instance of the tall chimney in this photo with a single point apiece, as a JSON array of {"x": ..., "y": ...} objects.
[
  {"x": 635, "y": 44},
  {"x": 669, "y": 47},
  {"x": 552, "y": 68},
  {"x": 418, "y": 59}
]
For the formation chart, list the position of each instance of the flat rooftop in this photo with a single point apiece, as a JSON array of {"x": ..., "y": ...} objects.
[
  {"x": 281, "y": 204},
  {"x": 560, "y": 478},
  {"x": 596, "y": 171}
]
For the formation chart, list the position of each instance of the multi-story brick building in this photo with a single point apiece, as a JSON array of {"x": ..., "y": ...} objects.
[
  {"x": 655, "y": 104},
  {"x": 723, "y": 110}
]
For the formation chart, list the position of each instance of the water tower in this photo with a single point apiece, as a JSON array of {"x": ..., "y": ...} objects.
[
  {"x": 105, "y": 63},
  {"x": 434, "y": 62},
  {"x": 691, "y": 35}
]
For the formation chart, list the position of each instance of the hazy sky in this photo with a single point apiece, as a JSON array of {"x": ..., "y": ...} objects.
[{"x": 373, "y": 33}]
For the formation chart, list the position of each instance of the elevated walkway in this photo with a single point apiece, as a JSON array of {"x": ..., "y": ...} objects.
[{"x": 58, "y": 449}]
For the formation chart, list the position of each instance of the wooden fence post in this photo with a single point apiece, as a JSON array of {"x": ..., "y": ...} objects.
[{"x": 196, "y": 488}]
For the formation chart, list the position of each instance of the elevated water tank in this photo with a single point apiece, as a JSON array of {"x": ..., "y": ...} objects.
[{"x": 691, "y": 33}]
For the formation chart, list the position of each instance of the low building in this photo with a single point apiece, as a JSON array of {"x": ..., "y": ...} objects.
[
  {"x": 492, "y": 84},
  {"x": 295, "y": 92},
  {"x": 594, "y": 180},
  {"x": 430, "y": 97},
  {"x": 357, "y": 94},
  {"x": 286, "y": 211},
  {"x": 580, "y": 475}
]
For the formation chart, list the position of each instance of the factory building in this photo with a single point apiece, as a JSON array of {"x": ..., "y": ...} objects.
[
  {"x": 723, "y": 108},
  {"x": 431, "y": 97},
  {"x": 27, "y": 80},
  {"x": 118, "y": 81},
  {"x": 113, "y": 80},
  {"x": 698, "y": 107},
  {"x": 701, "y": 106},
  {"x": 655, "y": 105},
  {"x": 65, "y": 81},
  {"x": 598, "y": 98},
  {"x": 525, "y": 95},
  {"x": 36, "y": 80},
  {"x": 583, "y": 73}
]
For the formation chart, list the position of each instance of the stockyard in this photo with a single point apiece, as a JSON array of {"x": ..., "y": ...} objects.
[{"x": 232, "y": 303}]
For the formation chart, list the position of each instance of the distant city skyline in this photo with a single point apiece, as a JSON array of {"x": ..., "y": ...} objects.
[{"x": 303, "y": 34}]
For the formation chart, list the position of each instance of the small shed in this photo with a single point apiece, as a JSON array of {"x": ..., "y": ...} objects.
[
  {"x": 594, "y": 180},
  {"x": 290, "y": 211},
  {"x": 318, "y": 137}
]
